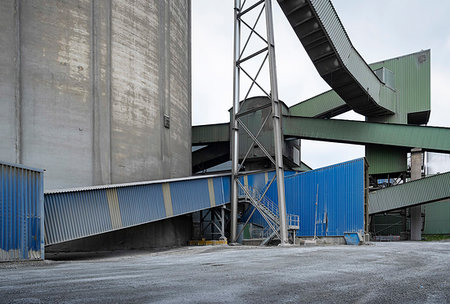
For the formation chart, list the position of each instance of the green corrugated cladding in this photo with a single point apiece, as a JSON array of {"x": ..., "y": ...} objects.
[
  {"x": 412, "y": 83},
  {"x": 207, "y": 134},
  {"x": 437, "y": 218},
  {"x": 426, "y": 190},
  {"x": 325, "y": 105},
  {"x": 384, "y": 159}
]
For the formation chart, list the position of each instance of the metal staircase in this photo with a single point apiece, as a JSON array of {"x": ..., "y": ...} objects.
[{"x": 270, "y": 212}]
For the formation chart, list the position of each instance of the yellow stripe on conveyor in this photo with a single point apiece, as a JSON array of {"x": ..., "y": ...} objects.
[
  {"x": 114, "y": 210},
  {"x": 167, "y": 199},
  {"x": 212, "y": 197}
]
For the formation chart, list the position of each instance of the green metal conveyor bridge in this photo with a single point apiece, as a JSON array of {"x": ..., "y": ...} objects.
[{"x": 422, "y": 191}]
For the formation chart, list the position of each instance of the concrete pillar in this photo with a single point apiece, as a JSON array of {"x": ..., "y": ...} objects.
[{"x": 416, "y": 212}]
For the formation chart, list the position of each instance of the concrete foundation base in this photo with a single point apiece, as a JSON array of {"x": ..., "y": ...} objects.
[{"x": 172, "y": 232}]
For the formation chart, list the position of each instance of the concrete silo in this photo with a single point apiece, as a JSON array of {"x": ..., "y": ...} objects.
[{"x": 96, "y": 92}]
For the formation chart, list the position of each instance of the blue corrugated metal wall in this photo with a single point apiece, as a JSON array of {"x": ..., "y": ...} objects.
[
  {"x": 21, "y": 212},
  {"x": 340, "y": 205}
]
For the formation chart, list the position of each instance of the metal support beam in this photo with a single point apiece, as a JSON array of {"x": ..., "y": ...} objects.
[
  {"x": 276, "y": 110},
  {"x": 234, "y": 123},
  {"x": 239, "y": 13}
]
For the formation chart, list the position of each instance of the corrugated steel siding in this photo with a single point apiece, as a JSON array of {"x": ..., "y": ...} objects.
[
  {"x": 189, "y": 196},
  {"x": 429, "y": 189},
  {"x": 340, "y": 198},
  {"x": 412, "y": 84},
  {"x": 319, "y": 106},
  {"x": 139, "y": 204},
  {"x": 21, "y": 213},
  {"x": 74, "y": 214},
  {"x": 437, "y": 218},
  {"x": 384, "y": 159},
  {"x": 323, "y": 36}
]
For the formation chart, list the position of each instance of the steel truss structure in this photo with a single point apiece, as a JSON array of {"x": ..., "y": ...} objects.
[{"x": 243, "y": 12}]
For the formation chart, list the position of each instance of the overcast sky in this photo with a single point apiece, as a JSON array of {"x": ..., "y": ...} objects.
[{"x": 378, "y": 29}]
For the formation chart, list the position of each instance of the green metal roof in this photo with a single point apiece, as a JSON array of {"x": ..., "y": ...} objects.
[
  {"x": 422, "y": 191},
  {"x": 435, "y": 139}
]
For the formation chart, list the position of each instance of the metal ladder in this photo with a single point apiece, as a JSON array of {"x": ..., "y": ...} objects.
[{"x": 270, "y": 212}]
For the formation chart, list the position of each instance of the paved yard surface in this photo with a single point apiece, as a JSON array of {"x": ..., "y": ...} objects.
[{"x": 402, "y": 272}]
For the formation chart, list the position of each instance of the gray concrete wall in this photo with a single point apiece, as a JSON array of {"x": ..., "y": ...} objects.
[
  {"x": 172, "y": 232},
  {"x": 85, "y": 85}
]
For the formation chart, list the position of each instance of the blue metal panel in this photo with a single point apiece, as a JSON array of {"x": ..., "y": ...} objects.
[
  {"x": 21, "y": 212},
  {"x": 73, "y": 215},
  {"x": 340, "y": 190},
  {"x": 140, "y": 204},
  {"x": 218, "y": 191},
  {"x": 189, "y": 196},
  {"x": 352, "y": 238},
  {"x": 226, "y": 188}
]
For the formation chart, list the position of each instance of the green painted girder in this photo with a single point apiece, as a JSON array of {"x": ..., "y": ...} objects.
[
  {"x": 422, "y": 191},
  {"x": 208, "y": 134},
  {"x": 434, "y": 139}
]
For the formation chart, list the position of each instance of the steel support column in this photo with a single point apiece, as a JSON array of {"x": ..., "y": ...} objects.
[
  {"x": 276, "y": 110},
  {"x": 239, "y": 58},
  {"x": 234, "y": 124}
]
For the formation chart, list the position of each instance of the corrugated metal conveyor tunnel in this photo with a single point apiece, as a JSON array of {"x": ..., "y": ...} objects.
[
  {"x": 422, "y": 191},
  {"x": 323, "y": 36},
  {"x": 81, "y": 212}
]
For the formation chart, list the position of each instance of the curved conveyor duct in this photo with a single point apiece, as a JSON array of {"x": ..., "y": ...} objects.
[{"x": 323, "y": 36}]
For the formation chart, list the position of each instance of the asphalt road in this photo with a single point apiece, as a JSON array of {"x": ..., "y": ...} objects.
[{"x": 398, "y": 272}]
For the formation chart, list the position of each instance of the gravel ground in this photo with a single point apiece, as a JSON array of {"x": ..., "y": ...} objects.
[{"x": 397, "y": 272}]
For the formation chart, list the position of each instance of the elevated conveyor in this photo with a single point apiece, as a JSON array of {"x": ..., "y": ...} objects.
[
  {"x": 422, "y": 191},
  {"x": 324, "y": 38},
  {"x": 433, "y": 139},
  {"x": 81, "y": 212}
]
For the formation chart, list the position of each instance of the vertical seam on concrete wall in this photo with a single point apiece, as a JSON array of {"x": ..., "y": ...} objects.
[
  {"x": 18, "y": 88},
  {"x": 162, "y": 77},
  {"x": 189, "y": 44},
  {"x": 101, "y": 87},
  {"x": 212, "y": 197},
  {"x": 167, "y": 199},
  {"x": 93, "y": 88},
  {"x": 114, "y": 209},
  {"x": 109, "y": 83}
]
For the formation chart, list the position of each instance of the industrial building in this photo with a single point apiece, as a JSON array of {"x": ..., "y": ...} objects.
[{"x": 97, "y": 95}]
